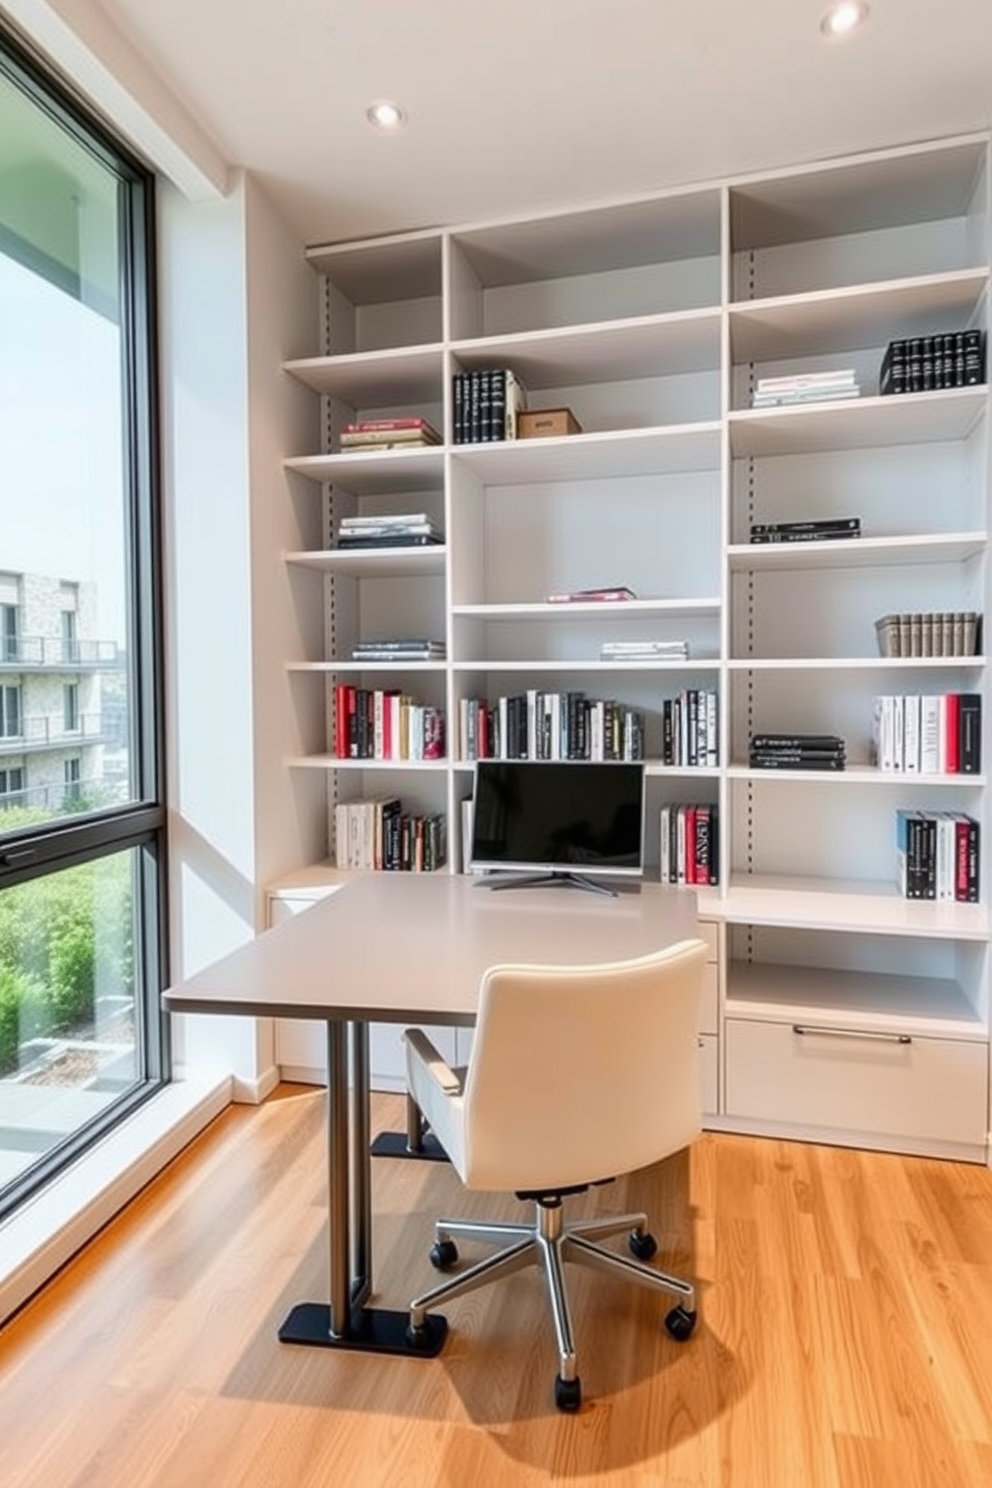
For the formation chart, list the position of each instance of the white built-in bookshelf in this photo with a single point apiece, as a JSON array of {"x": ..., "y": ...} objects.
[{"x": 843, "y": 1011}]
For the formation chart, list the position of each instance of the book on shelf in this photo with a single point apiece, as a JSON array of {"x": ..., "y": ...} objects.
[
  {"x": 644, "y": 651},
  {"x": 815, "y": 530},
  {"x": 929, "y": 633},
  {"x": 391, "y": 519},
  {"x": 797, "y": 752},
  {"x": 812, "y": 394},
  {"x": 378, "y": 426},
  {"x": 801, "y": 387},
  {"x": 543, "y": 725},
  {"x": 385, "y": 724},
  {"x": 608, "y": 593},
  {"x": 928, "y": 733},
  {"x": 386, "y": 440},
  {"x": 922, "y": 364},
  {"x": 399, "y": 650},
  {"x": 689, "y": 734},
  {"x": 938, "y": 855},
  {"x": 791, "y": 381},
  {"x": 387, "y": 538},
  {"x": 486, "y": 402},
  {"x": 689, "y": 844}
]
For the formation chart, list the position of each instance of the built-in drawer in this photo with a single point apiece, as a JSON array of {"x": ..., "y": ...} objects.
[
  {"x": 891, "y": 1085},
  {"x": 707, "y": 1073}
]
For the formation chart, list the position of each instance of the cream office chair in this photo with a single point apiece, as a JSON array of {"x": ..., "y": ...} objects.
[{"x": 577, "y": 1075}]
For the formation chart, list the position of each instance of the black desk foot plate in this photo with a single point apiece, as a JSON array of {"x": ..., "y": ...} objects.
[
  {"x": 394, "y": 1144},
  {"x": 374, "y": 1330}
]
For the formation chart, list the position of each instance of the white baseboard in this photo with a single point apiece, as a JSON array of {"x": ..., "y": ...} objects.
[{"x": 47, "y": 1230}]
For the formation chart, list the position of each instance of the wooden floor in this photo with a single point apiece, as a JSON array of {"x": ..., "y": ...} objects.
[{"x": 845, "y": 1337}]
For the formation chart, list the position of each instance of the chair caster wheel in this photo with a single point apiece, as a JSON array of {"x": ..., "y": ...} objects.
[
  {"x": 680, "y": 1323},
  {"x": 443, "y": 1255},
  {"x": 642, "y": 1246},
  {"x": 568, "y": 1393}
]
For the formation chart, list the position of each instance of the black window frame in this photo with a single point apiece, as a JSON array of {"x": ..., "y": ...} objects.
[{"x": 140, "y": 825}]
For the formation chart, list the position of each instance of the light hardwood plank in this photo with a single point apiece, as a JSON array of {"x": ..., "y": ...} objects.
[{"x": 845, "y": 1338}]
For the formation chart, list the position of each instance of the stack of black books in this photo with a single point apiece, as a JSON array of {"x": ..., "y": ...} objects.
[
  {"x": 797, "y": 752},
  {"x": 929, "y": 363},
  {"x": 817, "y": 529}
]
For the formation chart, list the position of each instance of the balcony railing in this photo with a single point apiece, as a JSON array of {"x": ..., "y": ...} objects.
[
  {"x": 51, "y": 733},
  {"x": 55, "y": 653}
]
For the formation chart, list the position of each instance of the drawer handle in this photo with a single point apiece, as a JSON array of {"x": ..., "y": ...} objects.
[{"x": 851, "y": 1033}]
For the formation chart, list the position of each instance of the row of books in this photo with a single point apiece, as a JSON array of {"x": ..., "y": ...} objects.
[
  {"x": 938, "y": 855},
  {"x": 928, "y": 734},
  {"x": 550, "y": 726},
  {"x": 923, "y": 364},
  {"x": 378, "y": 835},
  {"x": 804, "y": 387},
  {"x": 797, "y": 752},
  {"x": 689, "y": 728},
  {"x": 485, "y": 404},
  {"x": 399, "y": 648},
  {"x": 929, "y": 633},
  {"x": 385, "y": 724},
  {"x": 821, "y": 529},
  {"x": 415, "y": 529},
  {"x": 388, "y": 433},
  {"x": 690, "y": 844}
]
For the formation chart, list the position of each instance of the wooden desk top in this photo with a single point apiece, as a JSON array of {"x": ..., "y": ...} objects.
[{"x": 411, "y": 948}]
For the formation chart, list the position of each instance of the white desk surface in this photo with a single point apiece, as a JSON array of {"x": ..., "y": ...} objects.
[{"x": 407, "y": 947}]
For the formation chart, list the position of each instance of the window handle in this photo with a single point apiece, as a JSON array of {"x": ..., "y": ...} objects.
[{"x": 16, "y": 856}]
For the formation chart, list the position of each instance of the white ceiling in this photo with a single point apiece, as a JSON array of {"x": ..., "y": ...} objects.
[{"x": 517, "y": 105}]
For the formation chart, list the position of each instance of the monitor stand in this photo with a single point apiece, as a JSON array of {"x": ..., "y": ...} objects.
[{"x": 563, "y": 880}]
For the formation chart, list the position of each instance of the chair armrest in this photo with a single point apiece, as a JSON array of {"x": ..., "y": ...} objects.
[{"x": 435, "y": 1063}]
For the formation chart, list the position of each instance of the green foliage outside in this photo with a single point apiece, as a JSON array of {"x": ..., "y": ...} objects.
[{"x": 65, "y": 939}]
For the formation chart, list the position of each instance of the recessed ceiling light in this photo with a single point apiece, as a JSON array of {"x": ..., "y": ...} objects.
[
  {"x": 385, "y": 115},
  {"x": 842, "y": 19}
]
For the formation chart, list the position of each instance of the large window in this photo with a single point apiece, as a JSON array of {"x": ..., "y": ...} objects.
[{"x": 82, "y": 1039}]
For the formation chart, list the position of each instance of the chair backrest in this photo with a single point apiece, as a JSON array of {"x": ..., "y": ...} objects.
[{"x": 580, "y": 1073}]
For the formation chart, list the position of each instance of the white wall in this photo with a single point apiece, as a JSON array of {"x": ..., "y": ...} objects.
[{"x": 236, "y": 816}]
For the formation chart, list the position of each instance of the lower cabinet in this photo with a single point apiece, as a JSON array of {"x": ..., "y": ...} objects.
[{"x": 889, "y": 1090}]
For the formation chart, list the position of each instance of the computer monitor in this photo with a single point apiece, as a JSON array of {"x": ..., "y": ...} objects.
[{"x": 557, "y": 821}]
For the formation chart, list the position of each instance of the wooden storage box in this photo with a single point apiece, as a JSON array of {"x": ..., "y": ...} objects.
[{"x": 544, "y": 423}]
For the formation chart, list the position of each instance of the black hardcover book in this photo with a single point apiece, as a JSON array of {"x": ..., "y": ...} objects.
[
  {"x": 969, "y": 733},
  {"x": 497, "y": 403},
  {"x": 892, "y": 375},
  {"x": 786, "y": 762},
  {"x": 814, "y": 524},
  {"x": 396, "y": 540},
  {"x": 797, "y": 741},
  {"x": 974, "y": 358},
  {"x": 914, "y": 366},
  {"x": 820, "y": 535}
]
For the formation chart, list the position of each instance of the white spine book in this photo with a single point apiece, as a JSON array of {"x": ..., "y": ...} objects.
[
  {"x": 929, "y": 734},
  {"x": 911, "y": 733},
  {"x": 897, "y": 733}
]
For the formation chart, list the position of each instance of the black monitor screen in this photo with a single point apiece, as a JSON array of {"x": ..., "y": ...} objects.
[{"x": 531, "y": 814}]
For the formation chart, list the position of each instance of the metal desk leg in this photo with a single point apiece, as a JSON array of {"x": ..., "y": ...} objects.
[{"x": 345, "y": 1323}]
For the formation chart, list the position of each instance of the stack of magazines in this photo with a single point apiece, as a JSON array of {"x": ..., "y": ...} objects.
[
  {"x": 644, "y": 651},
  {"x": 804, "y": 387},
  {"x": 414, "y": 530},
  {"x": 401, "y": 648}
]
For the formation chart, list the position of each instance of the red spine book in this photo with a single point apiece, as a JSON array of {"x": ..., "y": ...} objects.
[
  {"x": 340, "y": 720},
  {"x": 951, "y": 736}
]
